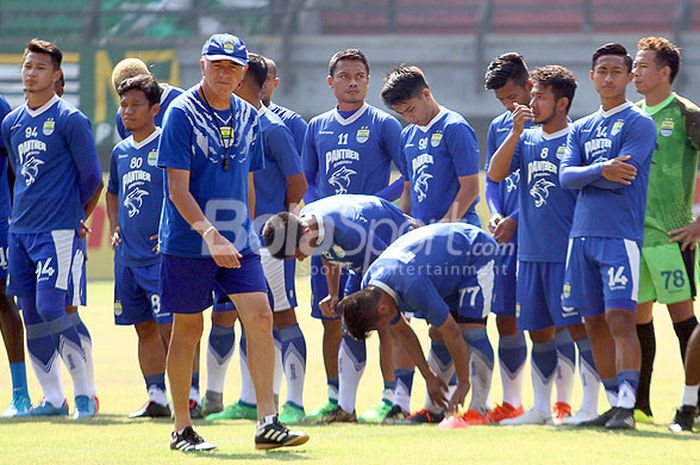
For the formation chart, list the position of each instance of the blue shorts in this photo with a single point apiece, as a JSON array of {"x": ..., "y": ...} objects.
[
  {"x": 476, "y": 295},
  {"x": 187, "y": 283},
  {"x": 319, "y": 287},
  {"x": 137, "y": 295},
  {"x": 279, "y": 276},
  {"x": 539, "y": 288},
  {"x": 508, "y": 260},
  {"x": 601, "y": 274},
  {"x": 77, "y": 284},
  {"x": 41, "y": 260},
  {"x": 4, "y": 231}
]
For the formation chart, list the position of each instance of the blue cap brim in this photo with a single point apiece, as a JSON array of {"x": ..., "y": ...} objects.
[{"x": 238, "y": 61}]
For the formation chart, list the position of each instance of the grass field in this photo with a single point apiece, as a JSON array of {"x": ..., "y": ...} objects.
[{"x": 113, "y": 439}]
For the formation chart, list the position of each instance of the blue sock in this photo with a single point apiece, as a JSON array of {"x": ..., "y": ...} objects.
[
  {"x": 610, "y": 385},
  {"x": 221, "y": 341},
  {"x": 195, "y": 380},
  {"x": 333, "y": 388},
  {"x": 512, "y": 352},
  {"x": 44, "y": 356},
  {"x": 585, "y": 353},
  {"x": 481, "y": 361},
  {"x": 544, "y": 365},
  {"x": 157, "y": 380},
  {"x": 404, "y": 384},
  {"x": 80, "y": 326},
  {"x": 439, "y": 349},
  {"x": 19, "y": 378},
  {"x": 628, "y": 382},
  {"x": 294, "y": 363},
  {"x": 565, "y": 346},
  {"x": 479, "y": 342}
]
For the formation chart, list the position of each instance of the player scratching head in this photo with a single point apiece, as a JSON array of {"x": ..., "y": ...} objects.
[
  {"x": 287, "y": 235},
  {"x": 271, "y": 82},
  {"x": 41, "y": 69},
  {"x": 367, "y": 310},
  {"x": 508, "y": 78},
  {"x": 406, "y": 91},
  {"x": 553, "y": 92},
  {"x": 252, "y": 84},
  {"x": 655, "y": 67},
  {"x": 348, "y": 76},
  {"x": 611, "y": 72},
  {"x": 139, "y": 104}
]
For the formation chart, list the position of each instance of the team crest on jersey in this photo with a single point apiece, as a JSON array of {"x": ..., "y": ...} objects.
[
  {"x": 566, "y": 291},
  {"x": 617, "y": 127},
  {"x": 561, "y": 151},
  {"x": 540, "y": 191},
  {"x": 225, "y": 132},
  {"x": 49, "y": 126},
  {"x": 435, "y": 139},
  {"x": 667, "y": 127},
  {"x": 362, "y": 134},
  {"x": 134, "y": 201},
  {"x": 340, "y": 179},
  {"x": 152, "y": 157}
]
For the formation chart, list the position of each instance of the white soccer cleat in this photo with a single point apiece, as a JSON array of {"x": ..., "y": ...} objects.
[
  {"x": 579, "y": 417},
  {"x": 531, "y": 417}
]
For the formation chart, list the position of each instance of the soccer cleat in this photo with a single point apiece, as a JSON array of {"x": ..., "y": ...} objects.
[
  {"x": 46, "y": 409},
  {"x": 423, "y": 416},
  {"x": 238, "y": 411},
  {"x": 453, "y": 422},
  {"x": 599, "y": 421},
  {"x": 338, "y": 415},
  {"x": 21, "y": 404},
  {"x": 474, "y": 417},
  {"x": 683, "y": 419},
  {"x": 579, "y": 417},
  {"x": 321, "y": 411},
  {"x": 291, "y": 414},
  {"x": 195, "y": 410},
  {"x": 85, "y": 407},
  {"x": 151, "y": 409},
  {"x": 189, "y": 441},
  {"x": 560, "y": 411},
  {"x": 622, "y": 419},
  {"x": 376, "y": 414},
  {"x": 213, "y": 402},
  {"x": 275, "y": 434},
  {"x": 502, "y": 412},
  {"x": 395, "y": 416},
  {"x": 640, "y": 416},
  {"x": 531, "y": 417}
]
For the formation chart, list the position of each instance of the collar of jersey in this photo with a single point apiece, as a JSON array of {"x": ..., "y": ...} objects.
[
  {"x": 166, "y": 90},
  {"x": 622, "y": 107},
  {"x": 554, "y": 135},
  {"x": 385, "y": 288},
  {"x": 262, "y": 110},
  {"x": 653, "y": 109},
  {"x": 146, "y": 141},
  {"x": 437, "y": 118},
  {"x": 354, "y": 117},
  {"x": 43, "y": 108}
]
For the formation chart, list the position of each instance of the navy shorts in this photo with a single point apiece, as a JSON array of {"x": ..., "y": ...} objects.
[
  {"x": 187, "y": 283},
  {"x": 540, "y": 287},
  {"x": 319, "y": 287},
  {"x": 137, "y": 295},
  {"x": 507, "y": 261}
]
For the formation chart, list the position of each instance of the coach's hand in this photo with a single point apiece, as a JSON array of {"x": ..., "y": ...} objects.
[
  {"x": 222, "y": 251},
  {"x": 458, "y": 397},
  {"x": 327, "y": 306},
  {"x": 437, "y": 390},
  {"x": 155, "y": 246},
  {"x": 116, "y": 237},
  {"x": 505, "y": 230},
  {"x": 688, "y": 235},
  {"x": 84, "y": 230},
  {"x": 618, "y": 170},
  {"x": 521, "y": 115}
]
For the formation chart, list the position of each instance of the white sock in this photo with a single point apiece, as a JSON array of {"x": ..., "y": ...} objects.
[
  {"x": 564, "y": 379},
  {"x": 247, "y": 388},
  {"x": 194, "y": 395},
  {"x": 690, "y": 395},
  {"x": 278, "y": 370},
  {"x": 216, "y": 370},
  {"x": 512, "y": 385},
  {"x": 626, "y": 397},
  {"x": 590, "y": 384},
  {"x": 402, "y": 397},
  {"x": 542, "y": 389},
  {"x": 86, "y": 342},
  {"x": 157, "y": 395},
  {"x": 74, "y": 359},
  {"x": 263, "y": 422},
  {"x": 444, "y": 372},
  {"x": 350, "y": 370},
  {"x": 50, "y": 380},
  {"x": 295, "y": 372},
  {"x": 480, "y": 376}
]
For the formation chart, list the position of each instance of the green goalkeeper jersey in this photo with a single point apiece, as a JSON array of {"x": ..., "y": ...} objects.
[{"x": 673, "y": 168}]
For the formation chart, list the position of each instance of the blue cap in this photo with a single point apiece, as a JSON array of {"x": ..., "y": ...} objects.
[{"x": 225, "y": 47}]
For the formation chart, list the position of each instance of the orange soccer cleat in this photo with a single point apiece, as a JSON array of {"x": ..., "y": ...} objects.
[
  {"x": 560, "y": 411},
  {"x": 474, "y": 417},
  {"x": 503, "y": 412}
]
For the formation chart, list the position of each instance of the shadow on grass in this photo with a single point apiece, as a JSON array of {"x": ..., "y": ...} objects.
[
  {"x": 100, "y": 420},
  {"x": 274, "y": 456},
  {"x": 659, "y": 432}
]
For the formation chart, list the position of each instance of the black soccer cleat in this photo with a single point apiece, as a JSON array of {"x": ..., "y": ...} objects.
[
  {"x": 601, "y": 421},
  {"x": 622, "y": 419},
  {"x": 338, "y": 415},
  {"x": 189, "y": 441},
  {"x": 423, "y": 416},
  {"x": 275, "y": 435},
  {"x": 195, "y": 410},
  {"x": 395, "y": 416},
  {"x": 151, "y": 409},
  {"x": 683, "y": 419}
]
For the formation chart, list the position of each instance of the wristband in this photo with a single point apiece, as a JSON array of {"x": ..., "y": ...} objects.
[{"x": 207, "y": 231}]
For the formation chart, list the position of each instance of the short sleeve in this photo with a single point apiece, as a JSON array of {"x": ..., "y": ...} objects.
[
  {"x": 463, "y": 148},
  {"x": 175, "y": 146}
]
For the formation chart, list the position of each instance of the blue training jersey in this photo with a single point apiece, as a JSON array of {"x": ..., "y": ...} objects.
[
  {"x": 5, "y": 204},
  {"x": 53, "y": 154},
  {"x": 603, "y": 208},
  {"x": 138, "y": 183},
  {"x": 425, "y": 269},
  {"x": 546, "y": 209},
  {"x": 281, "y": 160},
  {"x": 294, "y": 122},
  {"x": 192, "y": 140},
  {"x": 168, "y": 94},
  {"x": 355, "y": 229},
  {"x": 436, "y": 156},
  {"x": 352, "y": 155}
]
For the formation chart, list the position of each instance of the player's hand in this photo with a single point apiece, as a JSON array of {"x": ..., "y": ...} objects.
[
  {"x": 84, "y": 230},
  {"x": 222, "y": 251},
  {"x": 493, "y": 222},
  {"x": 505, "y": 230},
  {"x": 458, "y": 397},
  {"x": 327, "y": 306},
  {"x": 437, "y": 390},
  {"x": 618, "y": 170},
  {"x": 521, "y": 115},
  {"x": 688, "y": 235},
  {"x": 116, "y": 237},
  {"x": 155, "y": 247}
]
